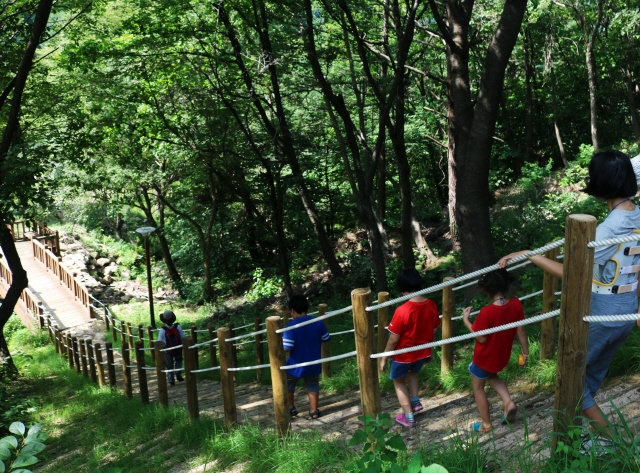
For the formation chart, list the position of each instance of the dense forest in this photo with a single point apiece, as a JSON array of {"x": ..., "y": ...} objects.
[{"x": 255, "y": 134}]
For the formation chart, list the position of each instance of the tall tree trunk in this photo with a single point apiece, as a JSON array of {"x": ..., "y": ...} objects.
[
  {"x": 593, "y": 106},
  {"x": 555, "y": 118},
  {"x": 20, "y": 281},
  {"x": 474, "y": 126},
  {"x": 451, "y": 163},
  {"x": 529, "y": 99}
]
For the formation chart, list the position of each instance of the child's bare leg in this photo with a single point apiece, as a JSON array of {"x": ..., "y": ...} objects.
[
  {"x": 313, "y": 401},
  {"x": 291, "y": 399},
  {"x": 412, "y": 381},
  {"x": 403, "y": 394},
  {"x": 481, "y": 401},
  {"x": 500, "y": 387}
]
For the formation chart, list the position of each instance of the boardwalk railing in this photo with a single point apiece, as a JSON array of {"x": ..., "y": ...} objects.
[
  {"x": 67, "y": 277},
  {"x": 29, "y": 307},
  {"x": 571, "y": 346},
  {"x": 24, "y": 230}
]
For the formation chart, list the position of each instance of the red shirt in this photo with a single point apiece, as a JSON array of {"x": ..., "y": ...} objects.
[
  {"x": 493, "y": 355},
  {"x": 415, "y": 323}
]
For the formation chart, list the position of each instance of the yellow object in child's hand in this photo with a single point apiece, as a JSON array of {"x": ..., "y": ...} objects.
[{"x": 521, "y": 360}]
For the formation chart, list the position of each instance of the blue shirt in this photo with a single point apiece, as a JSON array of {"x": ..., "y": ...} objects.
[{"x": 305, "y": 343}]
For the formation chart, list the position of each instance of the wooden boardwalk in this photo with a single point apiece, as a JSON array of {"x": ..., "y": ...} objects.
[{"x": 65, "y": 311}]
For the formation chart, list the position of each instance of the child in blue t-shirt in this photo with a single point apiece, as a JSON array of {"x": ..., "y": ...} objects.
[
  {"x": 304, "y": 344},
  {"x": 171, "y": 335}
]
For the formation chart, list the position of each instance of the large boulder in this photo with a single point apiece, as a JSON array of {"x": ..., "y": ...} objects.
[
  {"x": 103, "y": 261},
  {"x": 110, "y": 270}
]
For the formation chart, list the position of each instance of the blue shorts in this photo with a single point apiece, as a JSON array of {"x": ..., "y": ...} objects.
[
  {"x": 478, "y": 372},
  {"x": 400, "y": 370},
  {"x": 312, "y": 383}
]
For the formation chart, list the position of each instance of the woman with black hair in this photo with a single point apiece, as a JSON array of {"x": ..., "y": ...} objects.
[
  {"x": 492, "y": 352},
  {"x": 615, "y": 277}
]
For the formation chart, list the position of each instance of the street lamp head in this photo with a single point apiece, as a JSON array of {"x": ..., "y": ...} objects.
[{"x": 145, "y": 231}]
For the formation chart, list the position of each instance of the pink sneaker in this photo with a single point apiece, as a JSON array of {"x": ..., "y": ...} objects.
[
  {"x": 402, "y": 420},
  {"x": 417, "y": 408}
]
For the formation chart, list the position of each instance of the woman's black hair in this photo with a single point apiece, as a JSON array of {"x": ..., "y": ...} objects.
[
  {"x": 496, "y": 282},
  {"x": 299, "y": 303},
  {"x": 409, "y": 280},
  {"x": 611, "y": 176}
]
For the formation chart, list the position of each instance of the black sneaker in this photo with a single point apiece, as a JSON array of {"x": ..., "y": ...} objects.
[
  {"x": 172, "y": 383},
  {"x": 180, "y": 378}
]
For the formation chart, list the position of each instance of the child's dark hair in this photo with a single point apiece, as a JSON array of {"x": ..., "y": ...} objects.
[
  {"x": 299, "y": 303},
  {"x": 496, "y": 282},
  {"x": 611, "y": 176},
  {"x": 409, "y": 280}
]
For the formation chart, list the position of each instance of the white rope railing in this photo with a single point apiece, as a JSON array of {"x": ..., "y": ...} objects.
[
  {"x": 205, "y": 369},
  {"x": 321, "y": 360},
  {"x": 476, "y": 281},
  {"x": 259, "y": 332},
  {"x": 466, "y": 277},
  {"x": 480, "y": 333},
  {"x": 614, "y": 241},
  {"x": 172, "y": 348},
  {"x": 172, "y": 371},
  {"x": 245, "y": 368},
  {"x": 208, "y": 342},
  {"x": 611, "y": 318},
  {"x": 315, "y": 319}
]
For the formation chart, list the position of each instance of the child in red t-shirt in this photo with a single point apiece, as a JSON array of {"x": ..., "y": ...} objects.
[
  {"x": 414, "y": 323},
  {"x": 492, "y": 352}
]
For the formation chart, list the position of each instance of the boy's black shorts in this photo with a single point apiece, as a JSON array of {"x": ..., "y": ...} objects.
[{"x": 312, "y": 383}]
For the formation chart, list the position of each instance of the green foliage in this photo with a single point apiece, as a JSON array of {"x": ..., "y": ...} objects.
[
  {"x": 262, "y": 286},
  {"x": 18, "y": 451},
  {"x": 381, "y": 448}
]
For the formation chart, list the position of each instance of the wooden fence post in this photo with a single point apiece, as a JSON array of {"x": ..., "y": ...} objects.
[
  {"x": 365, "y": 347},
  {"x": 92, "y": 360},
  {"x": 126, "y": 371},
  {"x": 234, "y": 349},
  {"x": 56, "y": 339},
  {"x": 76, "y": 355},
  {"x": 140, "y": 333},
  {"x": 278, "y": 376},
  {"x": 194, "y": 341},
  {"x": 150, "y": 336},
  {"x": 383, "y": 322},
  {"x": 325, "y": 347},
  {"x": 259, "y": 348},
  {"x": 448, "y": 310},
  {"x": 163, "y": 394},
  {"x": 51, "y": 338},
  {"x": 83, "y": 358},
  {"x": 129, "y": 335},
  {"x": 114, "y": 332},
  {"x": 40, "y": 312},
  {"x": 142, "y": 373},
  {"x": 111, "y": 370},
  {"x": 189, "y": 356},
  {"x": 70, "y": 351},
  {"x": 574, "y": 332},
  {"x": 106, "y": 319},
  {"x": 226, "y": 378},
  {"x": 549, "y": 303},
  {"x": 212, "y": 347},
  {"x": 123, "y": 333},
  {"x": 98, "y": 351}
]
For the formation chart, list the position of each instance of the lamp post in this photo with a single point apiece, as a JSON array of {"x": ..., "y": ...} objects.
[{"x": 145, "y": 232}]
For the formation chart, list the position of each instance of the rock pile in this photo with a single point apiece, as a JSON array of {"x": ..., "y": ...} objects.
[{"x": 100, "y": 273}]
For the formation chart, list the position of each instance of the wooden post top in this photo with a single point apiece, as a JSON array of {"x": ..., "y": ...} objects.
[
  {"x": 362, "y": 291},
  {"x": 581, "y": 218},
  {"x": 224, "y": 329},
  {"x": 273, "y": 318},
  {"x": 322, "y": 307},
  {"x": 383, "y": 294}
]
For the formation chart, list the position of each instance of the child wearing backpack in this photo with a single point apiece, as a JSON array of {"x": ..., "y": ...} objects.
[
  {"x": 171, "y": 335},
  {"x": 414, "y": 323},
  {"x": 492, "y": 352}
]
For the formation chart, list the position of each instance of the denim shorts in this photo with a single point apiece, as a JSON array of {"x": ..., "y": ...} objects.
[
  {"x": 478, "y": 372},
  {"x": 604, "y": 341},
  {"x": 312, "y": 383},
  {"x": 400, "y": 370}
]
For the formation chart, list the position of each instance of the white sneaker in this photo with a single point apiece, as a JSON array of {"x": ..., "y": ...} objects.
[{"x": 600, "y": 446}]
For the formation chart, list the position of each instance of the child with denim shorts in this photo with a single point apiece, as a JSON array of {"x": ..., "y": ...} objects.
[
  {"x": 304, "y": 344},
  {"x": 492, "y": 352},
  {"x": 414, "y": 323}
]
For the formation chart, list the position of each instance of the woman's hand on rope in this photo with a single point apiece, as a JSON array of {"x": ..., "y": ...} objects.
[{"x": 505, "y": 259}]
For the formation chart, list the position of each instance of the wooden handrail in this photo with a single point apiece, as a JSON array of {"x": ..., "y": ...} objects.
[{"x": 29, "y": 304}]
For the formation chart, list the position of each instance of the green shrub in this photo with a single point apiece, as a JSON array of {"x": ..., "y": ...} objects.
[{"x": 18, "y": 451}]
